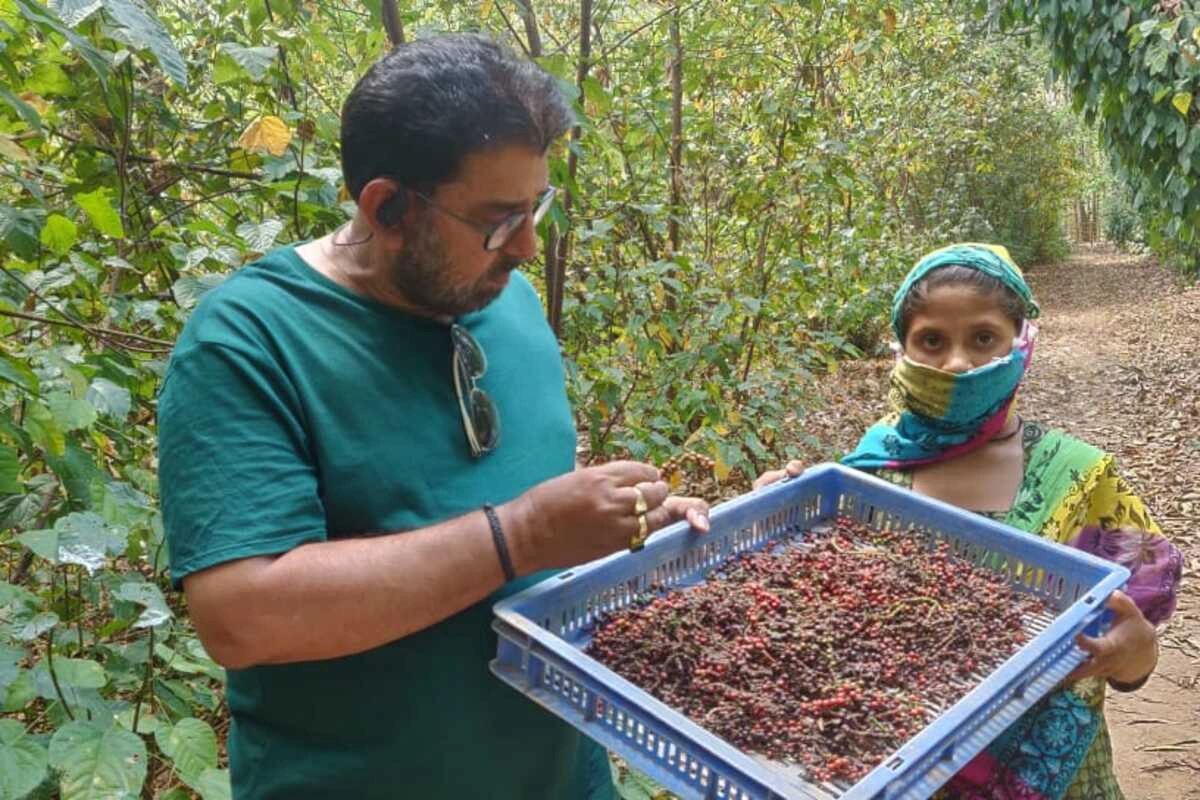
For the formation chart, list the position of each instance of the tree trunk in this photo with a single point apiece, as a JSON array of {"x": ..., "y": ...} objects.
[
  {"x": 554, "y": 292},
  {"x": 676, "y": 156},
  {"x": 531, "y": 28},
  {"x": 392, "y": 22},
  {"x": 564, "y": 241}
]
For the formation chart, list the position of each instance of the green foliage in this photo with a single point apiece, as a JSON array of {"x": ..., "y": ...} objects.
[
  {"x": 1132, "y": 67},
  {"x": 1120, "y": 219},
  {"x": 148, "y": 149},
  {"x": 826, "y": 147}
]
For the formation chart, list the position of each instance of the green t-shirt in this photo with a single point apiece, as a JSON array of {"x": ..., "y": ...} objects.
[{"x": 296, "y": 411}]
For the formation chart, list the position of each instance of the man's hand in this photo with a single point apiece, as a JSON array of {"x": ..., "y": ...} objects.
[
  {"x": 590, "y": 513},
  {"x": 792, "y": 469},
  {"x": 1127, "y": 653}
]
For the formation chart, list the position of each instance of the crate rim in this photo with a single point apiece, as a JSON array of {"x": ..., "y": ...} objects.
[
  {"x": 666, "y": 537},
  {"x": 933, "y": 737}
]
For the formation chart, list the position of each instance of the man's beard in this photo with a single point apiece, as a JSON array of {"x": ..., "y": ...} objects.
[{"x": 424, "y": 275}]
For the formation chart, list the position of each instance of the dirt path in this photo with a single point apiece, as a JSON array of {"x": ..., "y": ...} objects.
[{"x": 1118, "y": 366}]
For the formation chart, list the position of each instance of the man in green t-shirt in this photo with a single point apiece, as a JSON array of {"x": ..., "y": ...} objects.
[{"x": 364, "y": 442}]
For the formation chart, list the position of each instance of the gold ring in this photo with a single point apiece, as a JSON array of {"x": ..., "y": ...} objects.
[
  {"x": 639, "y": 541},
  {"x": 639, "y": 502}
]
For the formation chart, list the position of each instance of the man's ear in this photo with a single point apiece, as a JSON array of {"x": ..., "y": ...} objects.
[{"x": 383, "y": 203}]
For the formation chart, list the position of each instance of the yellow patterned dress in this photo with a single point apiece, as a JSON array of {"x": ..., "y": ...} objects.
[{"x": 1071, "y": 493}]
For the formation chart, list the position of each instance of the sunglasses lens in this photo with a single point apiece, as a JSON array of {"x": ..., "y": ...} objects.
[
  {"x": 468, "y": 355},
  {"x": 481, "y": 419},
  {"x": 485, "y": 419}
]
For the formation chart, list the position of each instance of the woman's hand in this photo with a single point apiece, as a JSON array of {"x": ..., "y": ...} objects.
[
  {"x": 792, "y": 469},
  {"x": 1127, "y": 653},
  {"x": 693, "y": 509}
]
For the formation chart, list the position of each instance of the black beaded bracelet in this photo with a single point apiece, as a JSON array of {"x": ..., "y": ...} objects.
[{"x": 498, "y": 539}]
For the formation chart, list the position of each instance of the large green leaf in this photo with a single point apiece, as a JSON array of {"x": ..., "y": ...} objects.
[
  {"x": 150, "y": 597},
  {"x": 15, "y": 372},
  {"x": 109, "y": 398},
  {"x": 255, "y": 61},
  {"x": 20, "y": 227},
  {"x": 213, "y": 784},
  {"x": 190, "y": 288},
  {"x": 10, "y": 658},
  {"x": 81, "y": 538},
  {"x": 43, "y": 429},
  {"x": 13, "y": 595},
  {"x": 73, "y": 12},
  {"x": 191, "y": 744},
  {"x": 23, "y": 109},
  {"x": 99, "y": 208},
  {"x": 36, "y": 625},
  {"x": 259, "y": 236},
  {"x": 10, "y": 470},
  {"x": 146, "y": 31},
  {"x": 98, "y": 762},
  {"x": 44, "y": 19},
  {"x": 70, "y": 412},
  {"x": 59, "y": 234},
  {"x": 81, "y": 673},
  {"x": 23, "y": 761},
  {"x": 200, "y": 665}
]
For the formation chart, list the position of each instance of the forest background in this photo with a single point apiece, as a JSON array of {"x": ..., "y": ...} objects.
[{"x": 747, "y": 184}]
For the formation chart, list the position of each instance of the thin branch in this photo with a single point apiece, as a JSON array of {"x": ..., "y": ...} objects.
[
  {"x": 54, "y": 675},
  {"x": 527, "y": 49},
  {"x": 96, "y": 331},
  {"x": 288, "y": 89},
  {"x": 205, "y": 199},
  {"x": 617, "y": 44},
  {"x": 180, "y": 165}
]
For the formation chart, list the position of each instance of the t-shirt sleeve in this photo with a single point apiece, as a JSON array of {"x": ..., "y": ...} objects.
[{"x": 236, "y": 475}]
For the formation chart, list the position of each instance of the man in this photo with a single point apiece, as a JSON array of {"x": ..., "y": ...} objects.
[{"x": 336, "y": 422}]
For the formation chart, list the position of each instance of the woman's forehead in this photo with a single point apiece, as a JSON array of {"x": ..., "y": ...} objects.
[{"x": 966, "y": 303}]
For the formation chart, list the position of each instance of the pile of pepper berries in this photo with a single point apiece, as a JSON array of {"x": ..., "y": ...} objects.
[{"x": 828, "y": 655}]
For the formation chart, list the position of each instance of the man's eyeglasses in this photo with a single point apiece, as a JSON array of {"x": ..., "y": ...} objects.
[
  {"x": 498, "y": 234},
  {"x": 481, "y": 419}
]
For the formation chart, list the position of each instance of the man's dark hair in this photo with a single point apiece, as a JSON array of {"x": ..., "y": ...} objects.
[{"x": 426, "y": 105}]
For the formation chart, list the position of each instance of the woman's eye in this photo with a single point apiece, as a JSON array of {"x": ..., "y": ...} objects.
[
  {"x": 985, "y": 338},
  {"x": 931, "y": 341}
]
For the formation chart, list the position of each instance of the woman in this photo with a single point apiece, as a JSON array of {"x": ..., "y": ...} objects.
[{"x": 963, "y": 322}]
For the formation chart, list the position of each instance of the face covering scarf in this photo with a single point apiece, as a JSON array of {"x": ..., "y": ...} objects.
[{"x": 937, "y": 415}]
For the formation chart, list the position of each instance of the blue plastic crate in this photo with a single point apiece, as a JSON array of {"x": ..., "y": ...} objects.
[{"x": 543, "y": 630}]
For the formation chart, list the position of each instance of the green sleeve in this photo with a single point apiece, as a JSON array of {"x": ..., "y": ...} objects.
[{"x": 236, "y": 474}]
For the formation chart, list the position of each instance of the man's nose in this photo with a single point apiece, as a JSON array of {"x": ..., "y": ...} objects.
[{"x": 523, "y": 246}]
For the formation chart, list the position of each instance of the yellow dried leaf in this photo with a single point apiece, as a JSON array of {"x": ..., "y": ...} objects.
[
  {"x": 889, "y": 20},
  {"x": 485, "y": 8},
  {"x": 10, "y": 149},
  {"x": 37, "y": 101},
  {"x": 721, "y": 470},
  {"x": 675, "y": 480},
  {"x": 1182, "y": 102},
  {"x": 266, "y": 135}
]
